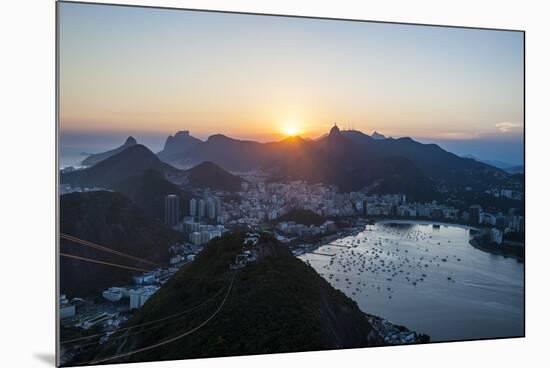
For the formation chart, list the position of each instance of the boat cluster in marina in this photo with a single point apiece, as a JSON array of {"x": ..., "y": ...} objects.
[
  {"x": 362, "y": 262},
  {"x": 426, "y": 276}
]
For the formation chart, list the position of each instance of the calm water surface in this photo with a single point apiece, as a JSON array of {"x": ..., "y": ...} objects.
[{"x": 428, "y": 278}]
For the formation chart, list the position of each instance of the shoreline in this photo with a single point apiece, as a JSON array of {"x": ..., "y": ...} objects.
[
  {"x": 499, "y": 250},
  {"x": 394, "y": 334},
  {"x": 353, "y": 231},
  {"x": 424, "y": 222}
]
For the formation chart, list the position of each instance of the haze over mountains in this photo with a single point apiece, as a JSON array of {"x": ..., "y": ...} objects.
[
  {"x": 348, "y": 159},
  {"x": 134, "y": 161},
  {"x": 506, "y": 166},
  {"x": 96, "y": 158},
  {"x": 130, "y": 162},
  {"x": 177, "y": 145},
  {"x": 142, "y": 177}
]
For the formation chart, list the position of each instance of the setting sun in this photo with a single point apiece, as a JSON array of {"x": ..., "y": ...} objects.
[
  {"x": 291, "y": 131},
  {"x": 371, "y": 173},
  {"x": 291, "y": 128}
]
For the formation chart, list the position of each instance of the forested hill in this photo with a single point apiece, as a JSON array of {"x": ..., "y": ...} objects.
[
  {"x": 109, "y": 219},
  {"x": 275, "y": 304}
]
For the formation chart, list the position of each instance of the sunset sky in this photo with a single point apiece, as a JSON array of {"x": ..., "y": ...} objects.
[{"x": 152, "y": 72}]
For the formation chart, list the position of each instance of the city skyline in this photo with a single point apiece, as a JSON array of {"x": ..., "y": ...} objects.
[{"x": 460, "y": 87}]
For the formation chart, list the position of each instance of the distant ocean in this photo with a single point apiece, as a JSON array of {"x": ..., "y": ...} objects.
[
  {"x": 67, "y": 159},
  {"x": 74, "y": 148}
]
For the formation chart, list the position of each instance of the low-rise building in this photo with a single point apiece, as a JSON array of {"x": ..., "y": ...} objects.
[
  {"x": 138, "y": 297},
  {"x": 113, "y": 294},
  {"x": 66, "y": 308}
]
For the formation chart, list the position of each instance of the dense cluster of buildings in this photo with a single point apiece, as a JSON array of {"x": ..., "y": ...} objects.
[
  {"x": 137, "y": 296},
  {"x": 395, "y": 205},
  {"x": 202, "y": 210},
  {"x": 263, "y": 202},
  {"x": 303, "y": 231},
  {"x": 198, "y": 232},
  {"x": 506, "y": 193},
  {"x": 496, "y": 224},
  {"x": 145, "y": 285},
  {"x": 208, "y": 207},
  {"x": 510, "y": 221}
]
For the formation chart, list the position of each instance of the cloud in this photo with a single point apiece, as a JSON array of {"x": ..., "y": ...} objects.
[{"x": 507, "y": 127}]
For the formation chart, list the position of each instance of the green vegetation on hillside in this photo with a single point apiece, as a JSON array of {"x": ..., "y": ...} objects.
[
  {"x": 210, "y": 175},
  {"x": 304, "y": 217},
  {"x": 111, "y": 220},
  {"x": 276, "y": 304},
  {"x": 148, "y": 191}
]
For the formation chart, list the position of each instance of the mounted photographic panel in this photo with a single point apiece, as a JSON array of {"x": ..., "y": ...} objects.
[{"x": 237, "y": 184}]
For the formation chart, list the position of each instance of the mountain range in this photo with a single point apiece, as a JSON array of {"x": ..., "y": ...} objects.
[
  {"x": 133, "y": 162},
  {"x": 349, "y": 159}
]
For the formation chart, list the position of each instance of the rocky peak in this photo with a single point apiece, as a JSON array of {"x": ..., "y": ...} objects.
[{"x": 130, "y": 141}]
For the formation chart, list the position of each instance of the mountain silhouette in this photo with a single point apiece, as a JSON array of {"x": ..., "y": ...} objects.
[
  {"x": 350, "y": 159},
  {"x": 98, "y": 157},
  {"x": 231, "y": 154},
  {"x": 131, "y": 162},
  {"x": 336, "y": 159},
  {"x": 148, "y": 191},
  {"x": 140, "y": 174},
  {"x": 377, "y": 135},
  {"x": 177, "y": 145},
  {"x": 209, "y": 175}
]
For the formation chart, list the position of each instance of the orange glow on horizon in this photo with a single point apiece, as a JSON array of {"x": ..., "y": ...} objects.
[
  {"x": 291, "y": 131},
  {"x": 292, "y": 128}
]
